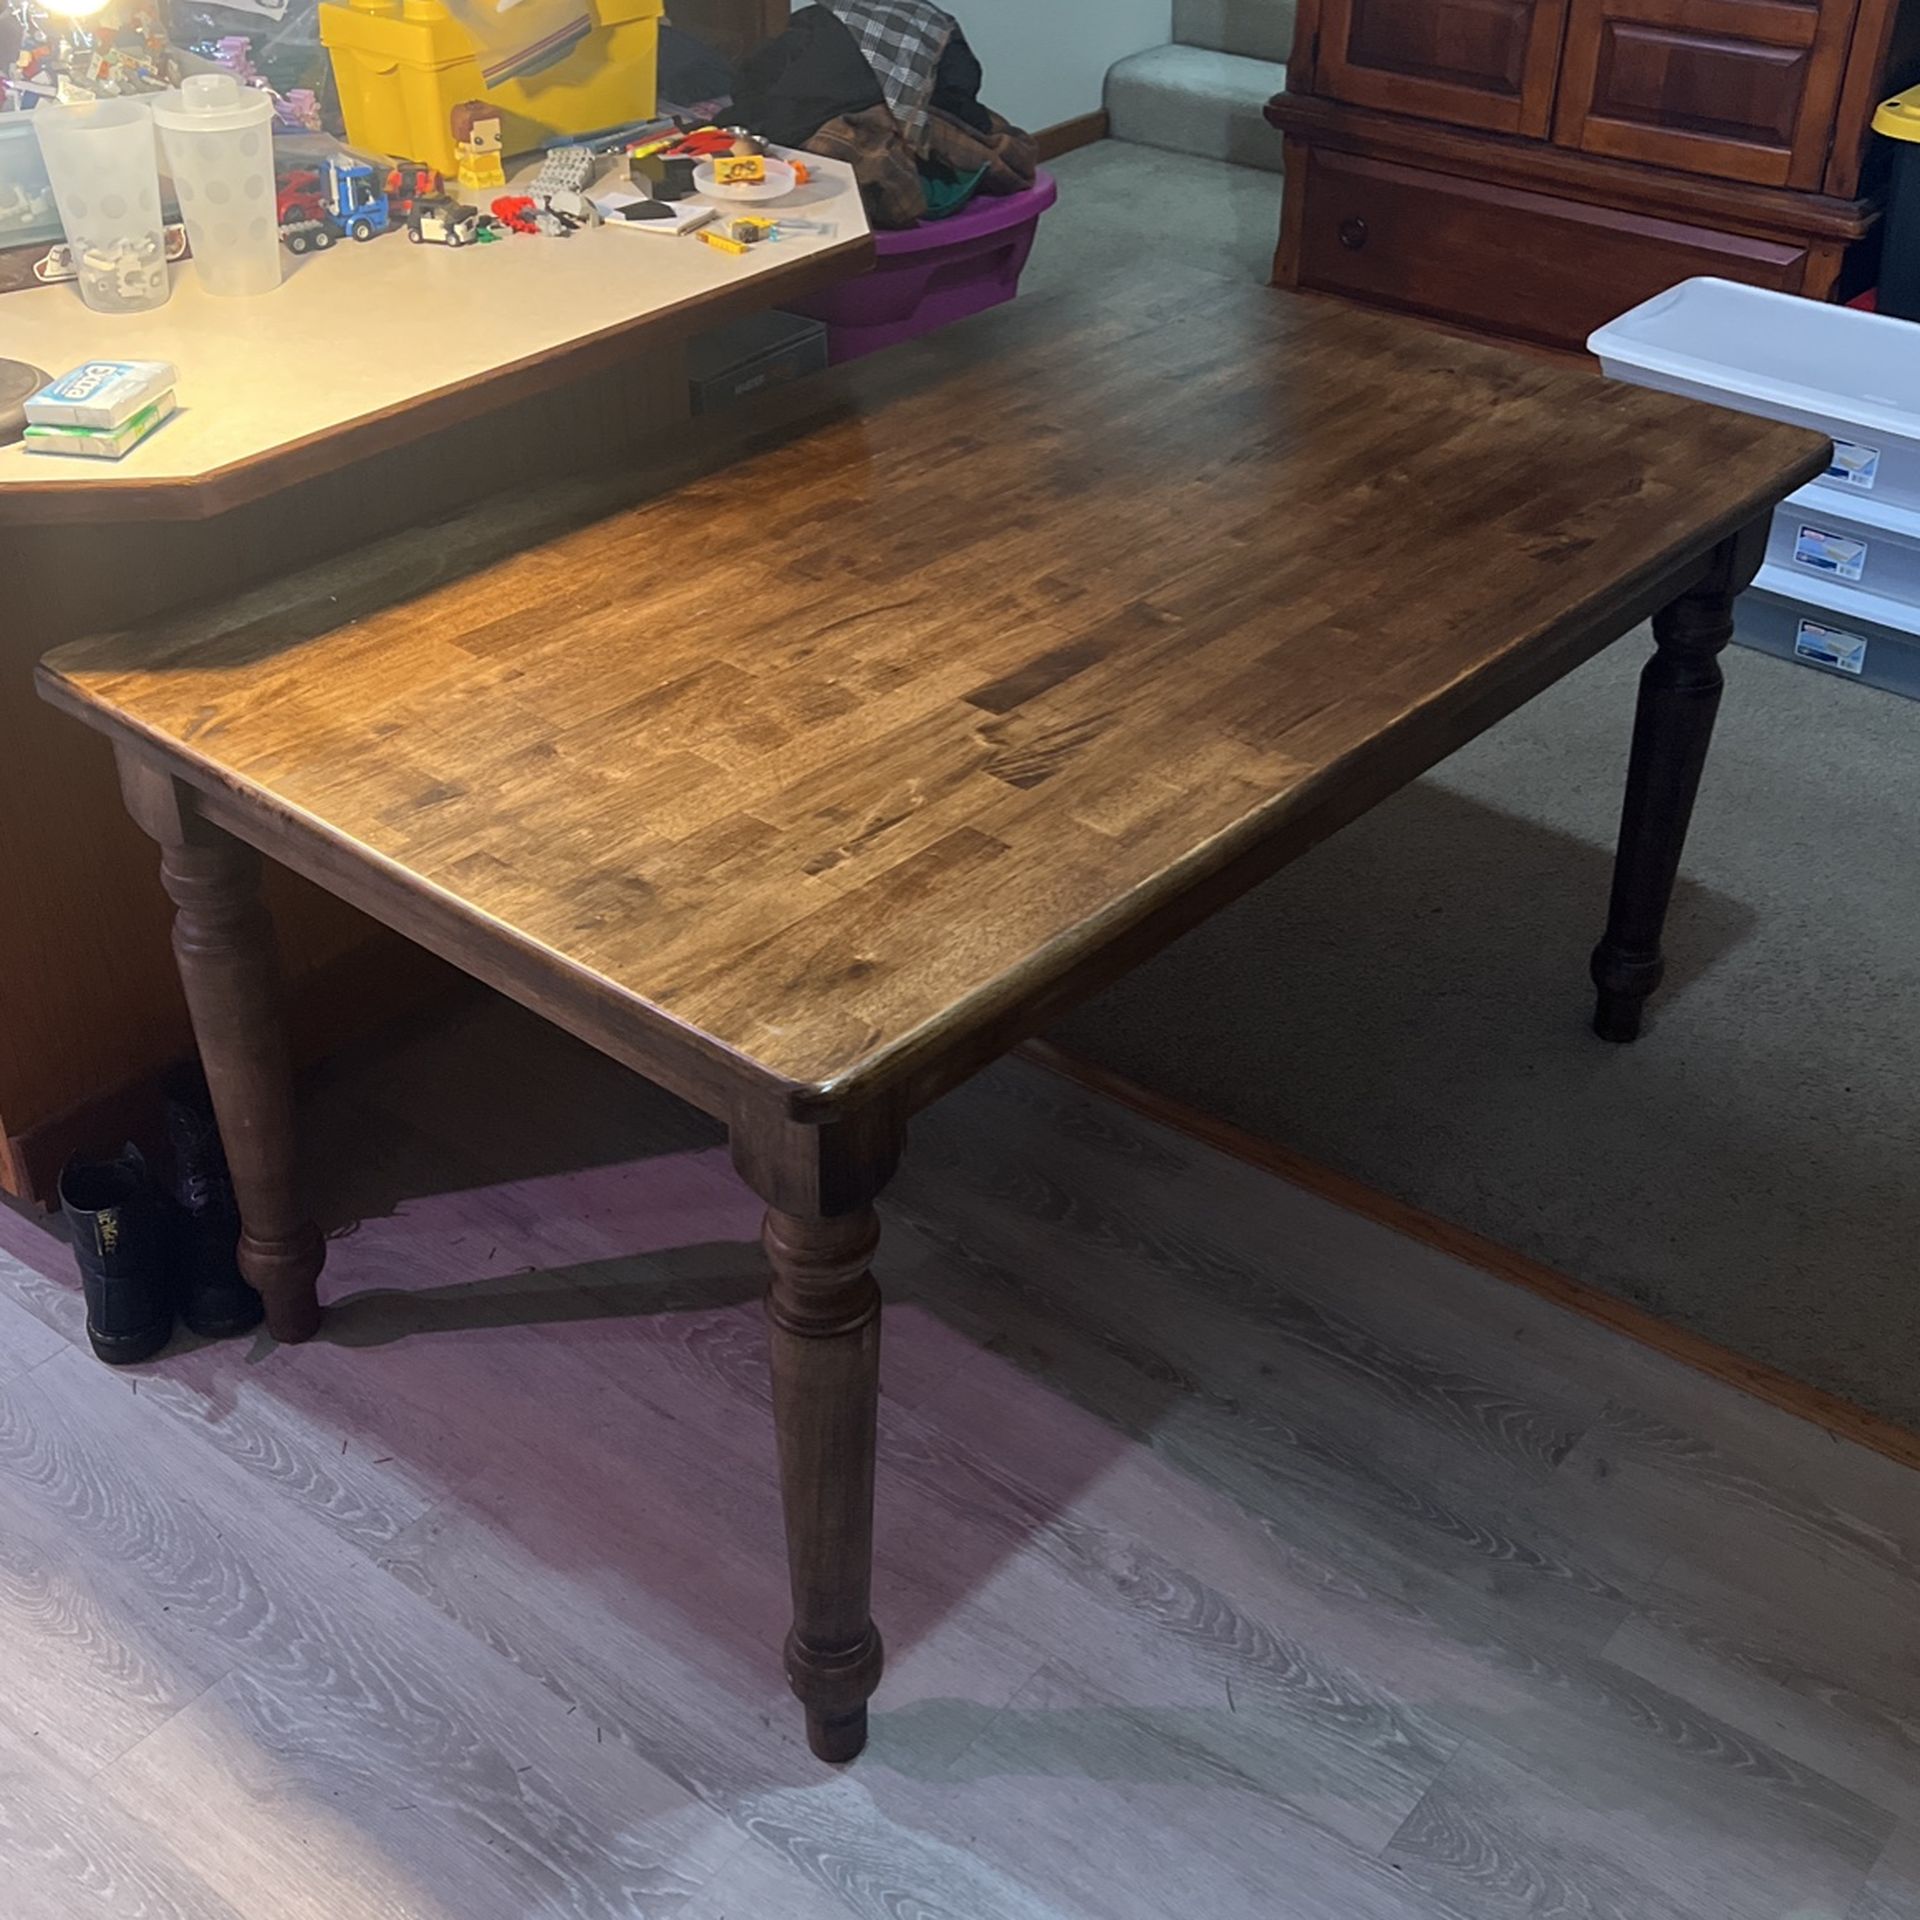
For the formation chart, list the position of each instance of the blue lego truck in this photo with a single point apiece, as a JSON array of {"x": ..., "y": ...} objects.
[
  {"x": 355, "y": 197},
  {"x": 341, "y": 197}
]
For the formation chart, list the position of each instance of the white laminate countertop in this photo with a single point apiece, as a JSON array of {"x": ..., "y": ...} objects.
[{"x": 370, "y": 329}]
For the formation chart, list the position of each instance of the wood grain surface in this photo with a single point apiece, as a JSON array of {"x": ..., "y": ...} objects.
[
  {"x": 1092, "y": 612},
  {"x": 1536, "y": 167},
  {"x": 1495, "y": 69},
  {"x": 1239, "y": 1557},
  {"x": 90, "y": 1007},
  {"x": 1693, "y": 199},
  {"x": 1826, "y": 1410}
]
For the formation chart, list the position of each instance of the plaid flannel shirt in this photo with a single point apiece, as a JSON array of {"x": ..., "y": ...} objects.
[{"x": 903, "y": 41}]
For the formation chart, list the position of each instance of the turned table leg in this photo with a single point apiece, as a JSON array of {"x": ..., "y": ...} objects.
[
  {"x": 229, "y": 969},
  {"x": 823, "y": 1316},
  {"x": 1672, "y": 729}
]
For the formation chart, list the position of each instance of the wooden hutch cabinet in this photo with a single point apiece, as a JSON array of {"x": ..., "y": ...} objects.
[{"x": 1534, "y": 167}]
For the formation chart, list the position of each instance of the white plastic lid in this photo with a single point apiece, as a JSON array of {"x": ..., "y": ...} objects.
[{"x": 211, "y": 103}]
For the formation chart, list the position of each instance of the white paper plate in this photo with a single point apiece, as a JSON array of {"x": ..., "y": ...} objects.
[{"x": 781, "y": 180}]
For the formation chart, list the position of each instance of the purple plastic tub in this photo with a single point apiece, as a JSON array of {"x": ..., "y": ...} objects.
[{"x": 934, "y": 274}]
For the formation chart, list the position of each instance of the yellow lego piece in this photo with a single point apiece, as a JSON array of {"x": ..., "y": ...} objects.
[
  {"x": 403, "y": 65},
  {"x": 720, "y": 242},
  {"x": 740, "y": 170},
  {"x": 478, "y": 170}
]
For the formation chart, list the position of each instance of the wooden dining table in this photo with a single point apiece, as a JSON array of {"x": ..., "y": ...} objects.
[{"x": 815, "y": 766}]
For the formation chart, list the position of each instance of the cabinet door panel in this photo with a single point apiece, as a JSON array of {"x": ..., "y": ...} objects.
[
  {"x": 1474, "y": 63},
  {"x": 1745, "y": 89}
]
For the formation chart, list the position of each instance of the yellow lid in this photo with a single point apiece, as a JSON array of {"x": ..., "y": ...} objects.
[
  {"x": 422, "y": 32},
  {"x": 427, "y": 33},
  {"x": 1899, "y": 118}
]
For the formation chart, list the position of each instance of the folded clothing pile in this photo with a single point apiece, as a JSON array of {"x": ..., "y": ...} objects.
[{"x": 891, "y": 87}]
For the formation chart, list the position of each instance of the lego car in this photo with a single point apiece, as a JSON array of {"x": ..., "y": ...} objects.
[{"x": 440, "y": 221}]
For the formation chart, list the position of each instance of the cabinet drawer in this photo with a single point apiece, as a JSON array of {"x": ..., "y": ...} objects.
[{"x": 1502, "y": 259}]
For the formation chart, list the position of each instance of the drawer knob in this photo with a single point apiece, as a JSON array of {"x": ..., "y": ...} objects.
[{"x": 1353, "y": 233}]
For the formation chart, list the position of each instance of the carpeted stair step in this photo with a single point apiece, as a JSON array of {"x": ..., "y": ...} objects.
[
  {"x": 1196, "y": 100},
  {"x": 1254, "y": 29}
]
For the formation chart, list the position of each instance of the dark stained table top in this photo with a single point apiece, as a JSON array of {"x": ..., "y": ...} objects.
[{"x": 829, "y": 757}]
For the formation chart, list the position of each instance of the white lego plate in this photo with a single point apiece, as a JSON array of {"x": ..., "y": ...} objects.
[{"x": 781, "y": 181}]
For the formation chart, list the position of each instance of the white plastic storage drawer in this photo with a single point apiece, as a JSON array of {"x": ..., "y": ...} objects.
[
  {"x": 1853, "y": 546},
  {"x": 1856, "y": 636},
  {"x": 1852, "y": 376}
]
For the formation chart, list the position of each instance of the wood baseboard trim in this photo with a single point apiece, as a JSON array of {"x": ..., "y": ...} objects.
[
  {"x": 1825, "y": 1410},
  {"x": 1071, "y": 134}
]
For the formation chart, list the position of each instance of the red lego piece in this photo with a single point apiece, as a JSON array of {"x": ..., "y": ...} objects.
[
  {"x": 700, "y": 146},
  {"x": 514, "y": 211}
]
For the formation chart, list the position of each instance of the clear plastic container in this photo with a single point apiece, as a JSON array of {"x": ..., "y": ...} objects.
[
  {"x": 218, "y": 137},
  {"x": 1860, "y": 546},
  {"x": 105, "y": 174},
  {"x": 1870, "y": 639},
  {"x": 27, "y": 216}
]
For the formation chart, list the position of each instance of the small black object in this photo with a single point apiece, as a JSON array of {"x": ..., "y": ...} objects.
[
  {"x": 739, "y": 362},
  {"x": 18, "y": 379},
  {"x": 1899, "y": 294},
  {"x": 212, "y": 1297},
  {"x": 664, "y": 179},
  {"x": 647, "y": 210},
  {"x": 689, "y": 69},
  {"x": 119, "y": 1229},
  {"x": 789, "y": 87}
]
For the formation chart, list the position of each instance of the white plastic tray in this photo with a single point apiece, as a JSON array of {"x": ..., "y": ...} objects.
[{"x": 1853, "y": 376}]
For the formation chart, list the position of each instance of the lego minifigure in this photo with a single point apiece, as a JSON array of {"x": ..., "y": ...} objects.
[{"x": 478, "y": 139}]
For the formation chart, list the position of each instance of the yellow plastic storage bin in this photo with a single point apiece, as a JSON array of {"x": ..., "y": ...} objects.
[{"x": 404, "y": 65}]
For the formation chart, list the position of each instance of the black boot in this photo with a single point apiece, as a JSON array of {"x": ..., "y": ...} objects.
[
  {"x": 118, "y": 1225},
  {"x": 213, "y": 1299}
]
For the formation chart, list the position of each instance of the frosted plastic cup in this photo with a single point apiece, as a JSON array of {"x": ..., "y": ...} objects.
[
  {"x": 218, "y": 137},
  {"x": 106, "y": 184}
]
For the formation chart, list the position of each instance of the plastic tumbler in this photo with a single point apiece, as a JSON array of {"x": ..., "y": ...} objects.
[
  {"x": 219, "y": 141},
  {"x": 106, "y": 184}
]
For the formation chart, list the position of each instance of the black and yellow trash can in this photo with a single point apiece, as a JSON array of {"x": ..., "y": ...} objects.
[{"x": 1899, "y": 120}]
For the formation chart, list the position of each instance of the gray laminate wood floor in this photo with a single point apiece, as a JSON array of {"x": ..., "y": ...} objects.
[{"x": 1237, "y": 1559}]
